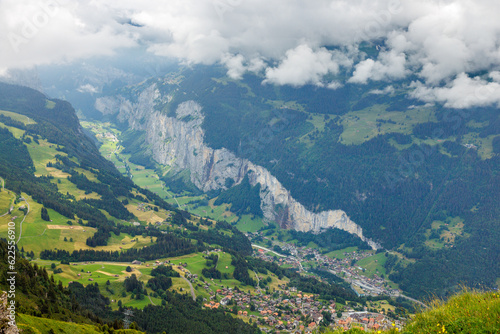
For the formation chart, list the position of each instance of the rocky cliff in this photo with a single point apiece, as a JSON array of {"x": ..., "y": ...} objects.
[{"x": 178, "y": 142}]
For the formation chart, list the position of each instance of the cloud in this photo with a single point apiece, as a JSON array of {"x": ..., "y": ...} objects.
[
  {"x": 388, "y": 66},
  {"x": 301, "y": 66},
  {"x": 44, "y": 32},
  {"x": 289, "y": 41},
  {"x": 334, "y": 85},
  {"x": 463, "y": 92},
  {"x": 235, "y": 66},
  {"x": 389, "y": 90},
  {"x": 88, "y": 88}
]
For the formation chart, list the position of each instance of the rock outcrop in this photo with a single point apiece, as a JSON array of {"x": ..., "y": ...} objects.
[
  {"x": 179, "y": 142},
  {"x": 5, "y": 320}
]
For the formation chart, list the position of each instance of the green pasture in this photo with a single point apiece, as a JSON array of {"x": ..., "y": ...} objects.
[
  {"x": 43, "y": 153},
  {"x": 249, "y": 223},
  {"x": 18, "y": 117},
  {"x": 339, "y": 254},
  {"x": 18, "y": 133},
  {"x": 36, "y": 325},
  {"x": 6, "y": 200},
  {"x": 373, "y": 265},
  {"x": 361, "y": 125}
]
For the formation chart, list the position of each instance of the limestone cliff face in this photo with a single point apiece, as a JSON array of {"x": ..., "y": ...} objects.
[{"x": 178, "y": 142}]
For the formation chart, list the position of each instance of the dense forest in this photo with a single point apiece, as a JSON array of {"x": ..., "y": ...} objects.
[
  {"x": 183, "y": 315},
  {"x": 243, "y": 198}
]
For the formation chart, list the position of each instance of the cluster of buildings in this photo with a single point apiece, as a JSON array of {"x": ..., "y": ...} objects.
[
  {"x": 284, "y": 310},
  {"x": 344, "y": 268},
  {"x": 291, "y": 311},
  {"x": 366, "y": 321}
]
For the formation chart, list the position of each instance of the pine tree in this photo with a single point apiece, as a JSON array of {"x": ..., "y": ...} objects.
[{"x": 45, "y": 214}]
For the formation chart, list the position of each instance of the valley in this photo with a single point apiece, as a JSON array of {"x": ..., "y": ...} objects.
[
  {"x": 249, "y": 167},
  {"x": 151, "y": 179},
  {"x": 389, "y": 166},
  {"x": 211, "y": 260},
  {"x": 141, "y": 235}
]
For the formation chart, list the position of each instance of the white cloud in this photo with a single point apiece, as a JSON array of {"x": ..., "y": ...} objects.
[
  {"x": 290, "y": 41},
  {"x": 88, "y": 88},
  {"x": 235, "y": 66},
  {"x": 388, "y": 66},
  {"x": 301, "y": 66},
  {"x": 389, "y": 90},
  {"x": 334, "y": 85},
  {"x": 42, "y": 32},
  {"x": 256, "y": 65},
  {"x": 463, "y": 92}
]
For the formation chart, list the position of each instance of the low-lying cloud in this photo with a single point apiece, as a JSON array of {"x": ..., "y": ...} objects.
[{"x": 451, "y": 47}]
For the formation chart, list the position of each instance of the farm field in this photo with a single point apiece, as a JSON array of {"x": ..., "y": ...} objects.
[
  {"x": 362, "y": 125},
  {"x": 373, "y": 265},
  {"x": 37, "y": 234},
  {"x": 102, "y": 273},
  {"x": 443, "y": 233},
  {"x": 6, "y": 200},
  {"x": 111, "y": 275},
  {"x": 32, "y": 324}
]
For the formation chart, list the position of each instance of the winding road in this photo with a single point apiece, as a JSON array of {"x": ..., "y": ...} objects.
[
  {"x": 258, "y": 282},
  {"x": 191, "y": 286},
  {"x": 301, "y": 268},
  {"x": 414, "y": 300},
  {"x": 21, "y": 225},
  {"x": 151, "y": 300}
]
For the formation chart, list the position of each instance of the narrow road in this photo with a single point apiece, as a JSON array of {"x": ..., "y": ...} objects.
[
  {"x": 301, "y": 268},
  {"x": 151, "y": 300},
  {"x": 258, "y": 282},
  {"x": 191, "y": 286},
  {"x": 21, "y": 225},
  {"x": 414, "y": 300},
  {"x": 268, "y": 250}
]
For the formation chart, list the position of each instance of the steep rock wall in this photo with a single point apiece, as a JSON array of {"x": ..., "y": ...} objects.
[{"x": 179, "y": 142}]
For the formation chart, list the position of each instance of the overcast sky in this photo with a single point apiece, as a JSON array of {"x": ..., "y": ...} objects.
[{"x": 451, "y": 47}]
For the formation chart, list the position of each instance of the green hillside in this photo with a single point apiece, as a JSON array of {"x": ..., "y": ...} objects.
[
  {"x": 35, "y": 325},
  {"x": 51, "y": 165},
  {"x": 467, "y": 312},
  {"x": 63, "y": 200}
]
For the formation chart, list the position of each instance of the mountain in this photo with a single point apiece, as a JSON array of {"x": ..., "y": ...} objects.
[
  {"x": 365, "y": 159},
  {"x": 65, "y": 151},
  {"x": 62, "y": 201},
  {"x": 178, "y": 142}
]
